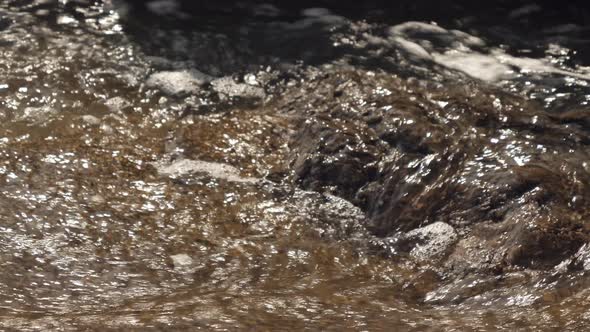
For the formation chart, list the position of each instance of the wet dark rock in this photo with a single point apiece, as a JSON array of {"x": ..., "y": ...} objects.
[
  {"x": 5, "y": 22},
  {"x": 427, "y": 163},
  {"x": 579, "y": 262},
  {"x": 333, "y": 217},
  {"x": 37, "y": 115},
  {"x": 328, "y": 163}
]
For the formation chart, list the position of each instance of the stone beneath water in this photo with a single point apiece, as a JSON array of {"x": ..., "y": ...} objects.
[
  {"x": 117, "y": 104},
  {"x": 91, "y": 120},
  {"x": 181, "y": 260},
  {"x": 432, "y": 241},
  {"x": 183, "y": 167},
  {"x": 469, "y": 184},
  {"x": 36, "y": 114},
  {"x": 178, "y": 83},
  {"x": 97, "y": 199},
  {"x": 227, "y": 87}
]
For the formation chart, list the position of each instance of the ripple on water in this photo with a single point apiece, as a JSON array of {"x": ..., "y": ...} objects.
[{"x": 172, "y": 182}]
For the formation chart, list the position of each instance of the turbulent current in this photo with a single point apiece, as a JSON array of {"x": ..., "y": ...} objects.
[{"x": 250, "y": 166}]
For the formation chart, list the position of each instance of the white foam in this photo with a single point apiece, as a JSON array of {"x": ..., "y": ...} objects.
[
  {"x": 412, "y": 48},
  {"x": 476, "y": 65},
  {"x": 460, "y": 51}
]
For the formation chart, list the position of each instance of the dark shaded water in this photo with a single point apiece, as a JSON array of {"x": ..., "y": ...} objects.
[{"x": 174, "y": 168}]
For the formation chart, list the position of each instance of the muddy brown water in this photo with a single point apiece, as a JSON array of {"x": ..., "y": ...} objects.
[{"x": 307, "y": 172}]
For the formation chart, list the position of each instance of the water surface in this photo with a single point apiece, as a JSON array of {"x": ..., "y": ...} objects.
[{"x": 169, "y": 169}]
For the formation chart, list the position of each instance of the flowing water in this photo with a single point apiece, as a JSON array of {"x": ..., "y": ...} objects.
[{"x": 250, "y": 167}]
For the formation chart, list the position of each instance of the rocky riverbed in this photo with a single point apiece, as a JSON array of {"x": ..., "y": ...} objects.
[{"x": 165, "y": 166}]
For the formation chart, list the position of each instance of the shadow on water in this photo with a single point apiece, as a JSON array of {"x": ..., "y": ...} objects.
[
  {"x": 266, "y": 32},
  {"x": 225, "y": 37}
]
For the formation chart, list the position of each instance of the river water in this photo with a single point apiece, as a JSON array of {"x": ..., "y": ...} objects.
[{"x": 249, "y": 167}]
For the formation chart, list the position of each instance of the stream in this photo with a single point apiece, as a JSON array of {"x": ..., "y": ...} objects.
[{"x": 175, "y": 166}]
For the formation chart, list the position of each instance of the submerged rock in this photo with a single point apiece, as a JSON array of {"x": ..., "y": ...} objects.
[
  {"x": 228, "y": 88},
  {"x": 181, "y": 260},
  {"x": 36, "y": 114},
  {"x": 446, "y": 165},
  {"x": 91, "y": 120},
  {"x": 178, "y": 83},
  {"x": 432, "y": 241},
  {"x": 117, "y": 104},
  {"x": 183, "y": 167}
]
